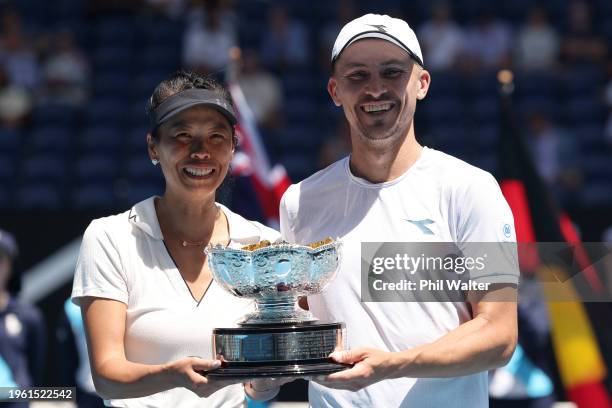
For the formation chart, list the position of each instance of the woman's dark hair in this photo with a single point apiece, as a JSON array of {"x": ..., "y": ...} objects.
[{"x": 181, "y": 81}]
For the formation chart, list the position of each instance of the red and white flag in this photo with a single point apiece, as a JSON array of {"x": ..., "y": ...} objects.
[{"x": 269, "y": 182}]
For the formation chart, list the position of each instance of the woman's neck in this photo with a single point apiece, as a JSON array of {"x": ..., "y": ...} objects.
[{"x": 189, "y": 221}]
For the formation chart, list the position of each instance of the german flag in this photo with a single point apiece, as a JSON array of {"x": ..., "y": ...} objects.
[{"x": 582, "y": 369}]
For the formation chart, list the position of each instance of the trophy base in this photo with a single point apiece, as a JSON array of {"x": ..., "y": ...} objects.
[
  {"x": 277, "y": 350},
  {"x": 295, "y": 370}
]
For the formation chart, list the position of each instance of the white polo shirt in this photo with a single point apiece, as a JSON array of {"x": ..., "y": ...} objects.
[
  {"x": 439, "y": 198},
  {"x": 123, "y": 257}
]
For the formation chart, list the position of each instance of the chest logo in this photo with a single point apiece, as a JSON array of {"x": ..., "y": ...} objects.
[{"x": 422, "y": 225}]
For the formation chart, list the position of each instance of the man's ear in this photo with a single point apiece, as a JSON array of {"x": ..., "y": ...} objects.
[
  {"x": 424, "y": 81},
  {"x": 332, "y": 89},
  {"x": 151, "y": 147}
]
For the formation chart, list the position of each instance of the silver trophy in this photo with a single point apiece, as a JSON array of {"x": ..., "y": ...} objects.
[{"x": 278, "y": 338}]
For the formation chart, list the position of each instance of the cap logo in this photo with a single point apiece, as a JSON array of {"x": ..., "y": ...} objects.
[{"x": 379, "y": 27}]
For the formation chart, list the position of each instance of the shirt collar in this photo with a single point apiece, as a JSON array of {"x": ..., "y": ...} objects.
[{"x": 242, "y": 231}]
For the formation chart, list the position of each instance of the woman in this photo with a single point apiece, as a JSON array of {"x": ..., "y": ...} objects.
[{"x": 142, "y": 280}]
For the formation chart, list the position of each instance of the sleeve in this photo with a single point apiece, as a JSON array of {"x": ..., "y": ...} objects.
[
  {"x": 99, "y": 272},
  {"x": 484, "y": 228},
  {"x": 285, "y": 222}
]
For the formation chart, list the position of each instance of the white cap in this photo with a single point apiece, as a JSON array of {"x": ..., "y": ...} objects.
[{"x": 379, "y": 26}]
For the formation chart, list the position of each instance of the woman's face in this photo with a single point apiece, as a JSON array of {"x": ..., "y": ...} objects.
[{"x": 194, "y": 150}]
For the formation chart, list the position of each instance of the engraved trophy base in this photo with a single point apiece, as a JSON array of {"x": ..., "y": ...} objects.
[{"x": 277, "y": 350}]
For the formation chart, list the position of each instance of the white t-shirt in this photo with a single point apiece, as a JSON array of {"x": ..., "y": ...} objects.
[
  {"x": 465, "y": 205},
  {"x": 123, "y": 257}
]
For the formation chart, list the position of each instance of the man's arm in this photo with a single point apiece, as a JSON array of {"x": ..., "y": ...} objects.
[{"x": 485, "y": 342}]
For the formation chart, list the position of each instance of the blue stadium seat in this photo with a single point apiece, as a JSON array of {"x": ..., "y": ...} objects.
[
  {"x": 106, "y": 111},
  {"x": 298, "y": 166},
  {"x": 112, "y": 84},
  {"x": 534, "y": 104},
  {"x": 583, "y": 81},
  {"x": 299, "y": 110},
  {"x": 38, "y": 196},
  {"x": 139, "y": 168},
  {"x": 51, "y": 139},
  {"x": 5, "y": 198},
  {"x": 145, "y": 82},
  {"x": 162, "y": 58},
  {"x": 481, "y": 83},
  {"x": 484, "y": 109},
  {"x": 7, "y": 168},
  {"x": 97, "y": 167},
  {"x": 44, "y": 167},
  {"x": 101, "y": 139},
  {"x": 443, "y": 110},
  {"x": 584, "y": 110},
  {"x": 159, "y": 32},
  {"x": 55, "y": 115},
  {"x": 114, "y": 31},
  {"x": 445, "y": 84},
  {"x": 536, "y": 84},
  {"x": 93, "y": 196},
  {"x": 10, "y": 140},
  {"x": 136, "y": 140},
  {"x": 117, "y": 58},
  {"x": 139, "y": 191},
  {"x": 596, "y": 194}
]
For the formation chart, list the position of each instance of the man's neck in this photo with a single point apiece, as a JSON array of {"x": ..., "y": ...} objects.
[{"x": 387, "y": 163}]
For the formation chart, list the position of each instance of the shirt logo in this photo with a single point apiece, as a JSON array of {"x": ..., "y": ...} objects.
[
  {"x": 379, "y": 27},
  {"x": 421, "y": 224},
  {"x": 507, "y": 230}
]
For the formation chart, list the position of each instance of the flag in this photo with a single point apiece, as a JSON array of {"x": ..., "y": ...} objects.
[
  {"x": 268, "y": 182},
  {"x": 579, "y": 360}
]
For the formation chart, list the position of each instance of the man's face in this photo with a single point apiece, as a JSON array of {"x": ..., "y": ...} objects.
[{"x": 377, "y": 85}]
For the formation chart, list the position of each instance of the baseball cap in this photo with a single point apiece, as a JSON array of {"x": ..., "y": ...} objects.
[
  {"x": 8, "y": 245},
  {"x": 378, "y": 26}
]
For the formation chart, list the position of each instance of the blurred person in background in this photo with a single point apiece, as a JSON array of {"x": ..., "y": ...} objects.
[
  {"x": 346, "y": 11},
  {"x": 15, "y": 102},
  {"x": 262, "y": 90},
  {"x": 581, "y": 44},
  {"x": 16, "y": 55},
  {"x": 488, "y": 42},
  {"x": 555, "y": 155},
  {"x": 336, "y": 145},
  {"x": 210, "y": 33},
  {"x": 71, "y": 350},
  {"x": 442, "y": 38},
  {"x": 607, "y": 95},
  {"x": 285, "y": 43},
  {"x": 537, "y": 42},
  {"x": 22, "y": 329},
  {"x": 65, "y": 72},
  {"x": 145, "y": 290}
]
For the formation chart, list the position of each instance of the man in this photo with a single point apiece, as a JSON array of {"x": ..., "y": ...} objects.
[{"x": 390, "y": 188}]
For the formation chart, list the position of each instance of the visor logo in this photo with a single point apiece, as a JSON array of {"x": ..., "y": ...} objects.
[{"x": 379, "y": 27}]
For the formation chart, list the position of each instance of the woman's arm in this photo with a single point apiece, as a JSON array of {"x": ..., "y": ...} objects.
[{"x": 115, "y": 377}]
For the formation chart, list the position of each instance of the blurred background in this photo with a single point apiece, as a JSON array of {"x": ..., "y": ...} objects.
[{"x": 75, "y": 76}]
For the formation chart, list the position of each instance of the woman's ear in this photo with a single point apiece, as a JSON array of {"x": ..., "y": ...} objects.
[{"x": 151, "y": 147}]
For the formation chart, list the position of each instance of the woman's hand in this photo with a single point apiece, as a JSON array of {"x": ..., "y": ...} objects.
[{"x": 191, "y": 373}]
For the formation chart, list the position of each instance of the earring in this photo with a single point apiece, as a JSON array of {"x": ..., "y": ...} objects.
[{"x": 154, "y": 162}]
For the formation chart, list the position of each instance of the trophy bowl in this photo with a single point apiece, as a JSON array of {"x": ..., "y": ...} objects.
[
  {"x": 275, "y": 276},
  {"x": 278, "y": 338}
]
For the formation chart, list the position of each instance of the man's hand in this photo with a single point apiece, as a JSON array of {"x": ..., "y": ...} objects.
[{"x": 369, "y": 366}]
